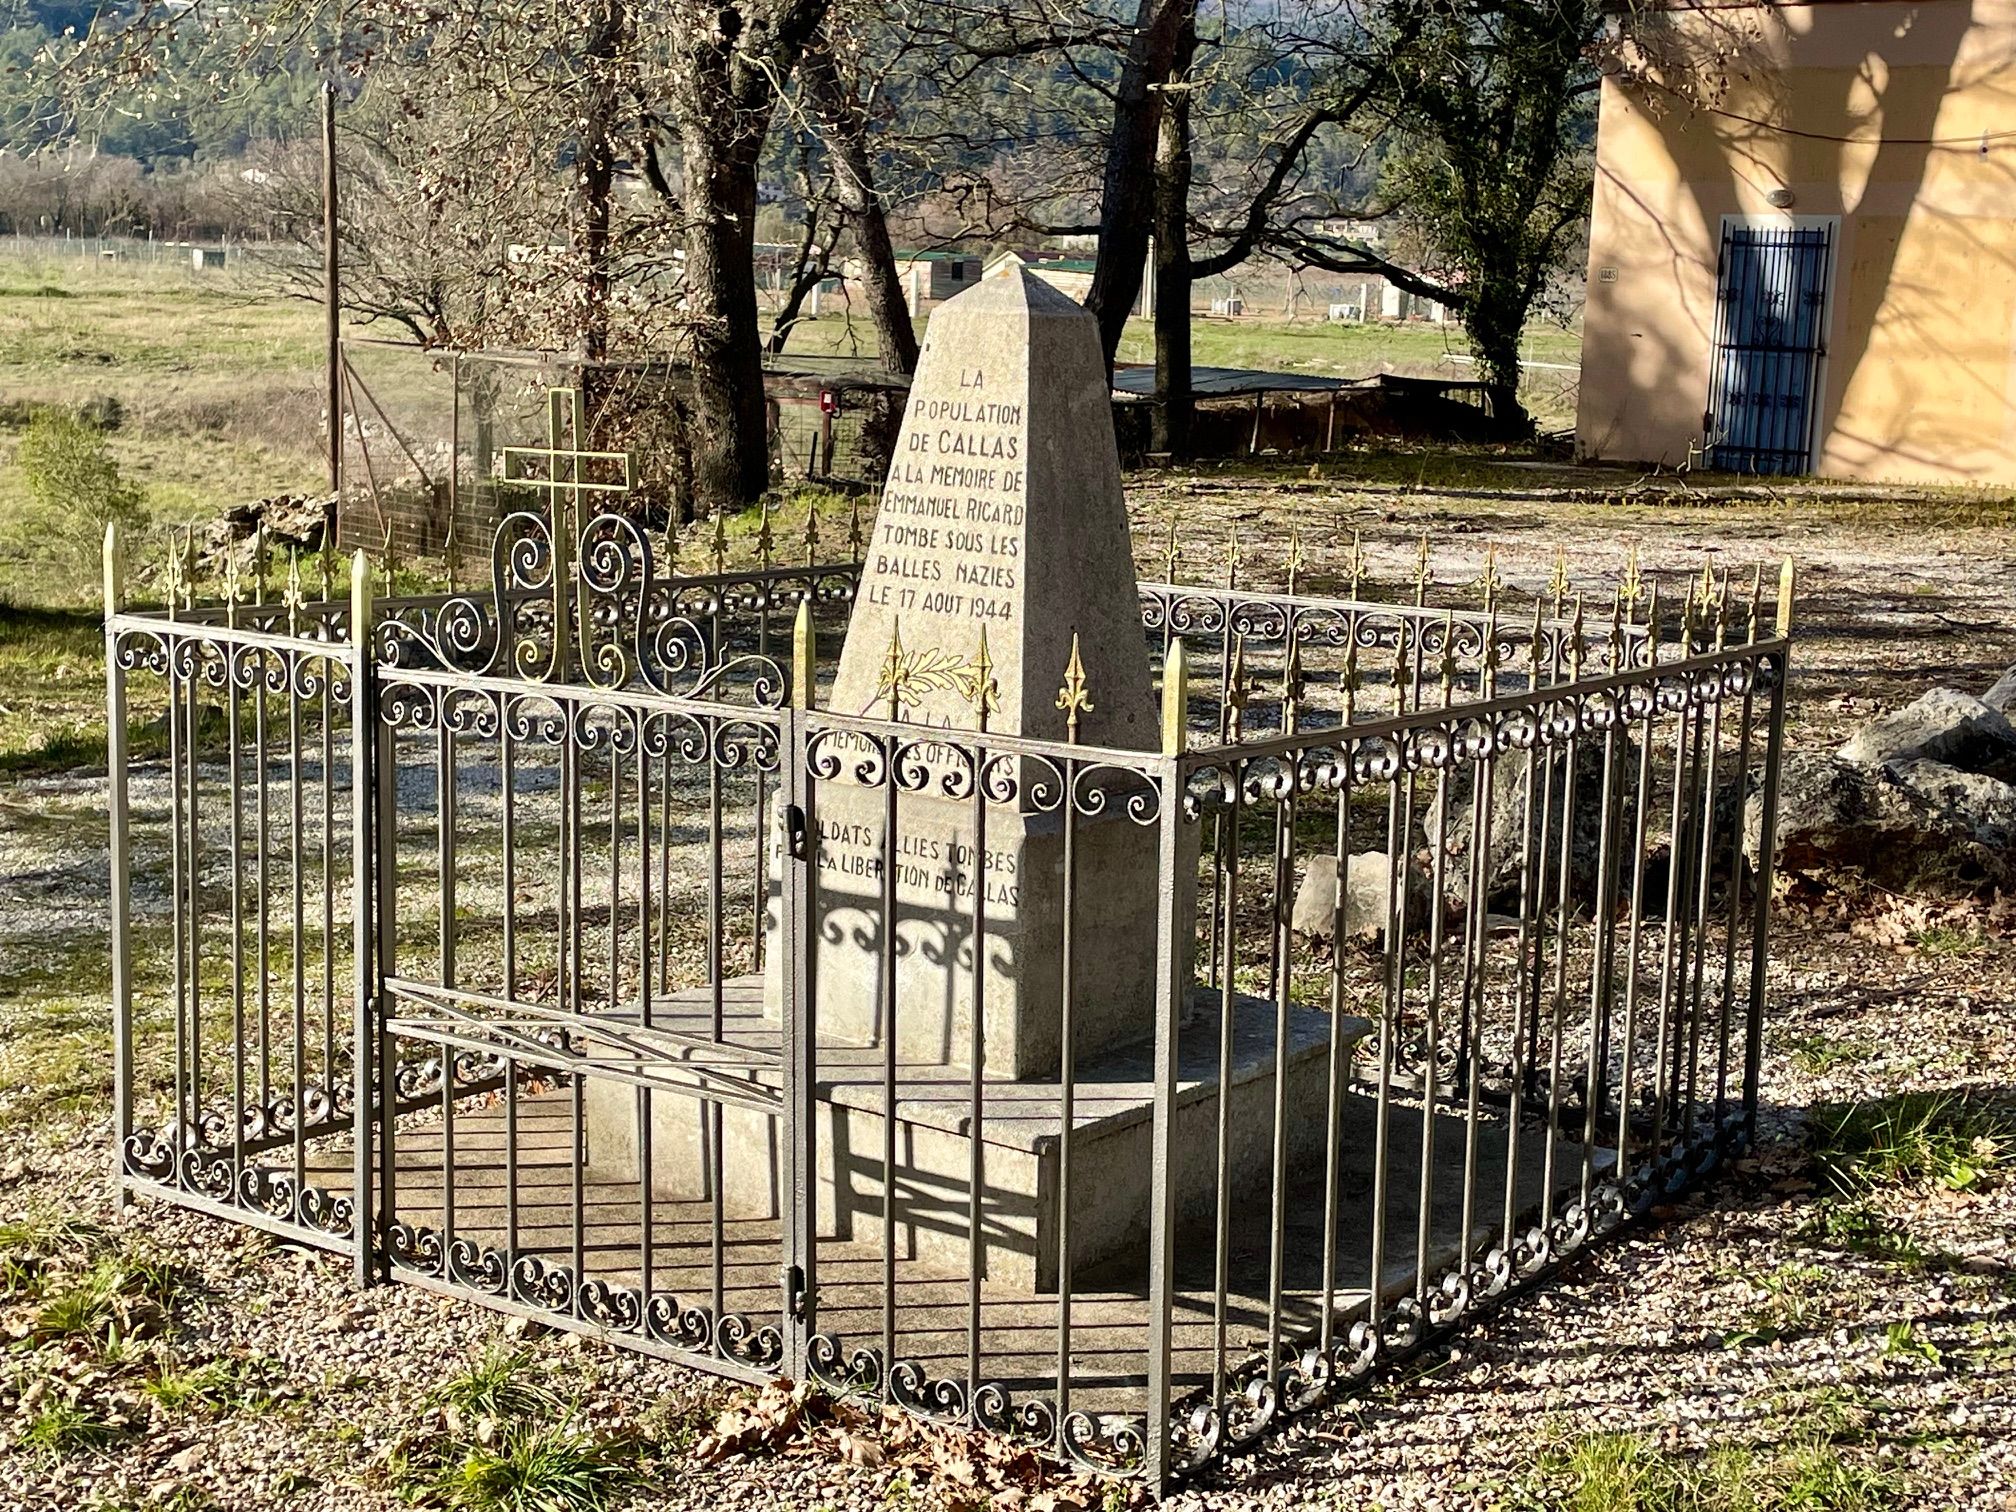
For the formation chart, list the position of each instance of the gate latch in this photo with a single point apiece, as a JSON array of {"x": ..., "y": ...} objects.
[
  {"x": 796, "y": 1299},
  {"x": 794, "y": 832}
]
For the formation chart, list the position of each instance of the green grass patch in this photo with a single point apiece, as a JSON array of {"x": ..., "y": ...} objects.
[
  {"x": 32, "y": 1246},
  {"x": 119, "y": 1299},
  {"x": 62, "y": 1429},
  {"x": 1623, "y": 1472},
  {"x": 1949, "y": 940},
  {"x": 1860, "y": 1229},
  {"x": 501, "y": 1440},
  {"x": 228, "y": 1384},
  {"x": 497, "y": 1384},
  {"x": 1818, "y": 1054},
  {"x": 1959, "y": 1140},
  {"x": 527, "y": 1467},
  {"x": 1790, "y": 1294},
  {"x": 1906, "y": 1340}
]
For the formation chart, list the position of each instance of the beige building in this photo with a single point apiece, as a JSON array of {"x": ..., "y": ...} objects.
[{"x": 1803, "y": 245}]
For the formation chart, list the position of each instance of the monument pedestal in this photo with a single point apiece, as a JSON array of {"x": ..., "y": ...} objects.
[
  {"x": 1111, "y": 1149},
  {"x": 997, "y": 598},
  {"x": 1114, "y": 925}
]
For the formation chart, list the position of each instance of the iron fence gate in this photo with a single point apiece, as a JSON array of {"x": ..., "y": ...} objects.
[
  {"x": 552, "y": 947},
  {"x": 1770, "y": 337}
]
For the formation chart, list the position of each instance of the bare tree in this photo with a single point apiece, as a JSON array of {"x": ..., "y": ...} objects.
[{"x": 843, "y": 119}]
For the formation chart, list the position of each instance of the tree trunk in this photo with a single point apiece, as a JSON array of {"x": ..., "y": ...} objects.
[
  {"x": 808, "y": 271},
  {"x": 595, "y": 176},
  {"x": 1492, "y": 321},
  {"x": 1174, "y": 402},
  {"x": 1127, "y": 196},
  {"x": 854, "y": 186},
  {"x": 731, "y": 444}
]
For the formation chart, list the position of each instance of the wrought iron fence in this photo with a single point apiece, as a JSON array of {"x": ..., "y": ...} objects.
[{"x": 552, "y": 946}]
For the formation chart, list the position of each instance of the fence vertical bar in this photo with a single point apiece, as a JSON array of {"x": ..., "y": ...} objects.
[
  {"x": 120, "y": 880},
  {"x": 363, "y": 870},
  {"x": 1170, "y": 986},
  {"x": 1767, "y": 856},
  {"x": 797, "y": 874}
]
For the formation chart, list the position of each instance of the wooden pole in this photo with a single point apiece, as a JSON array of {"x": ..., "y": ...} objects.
[{"x": 331, "y": 291}]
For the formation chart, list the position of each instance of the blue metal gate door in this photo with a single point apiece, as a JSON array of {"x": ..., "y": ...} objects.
[{"x": 1770, "y": 333}]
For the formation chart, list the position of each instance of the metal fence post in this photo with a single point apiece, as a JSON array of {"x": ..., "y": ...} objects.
[
  {"x": 798, "y": 1295},
  {"x": 1169, "y": 992},
  {"x": 363, "y": 726},
  {"x": 1767, "y": 856},
  {"x": 120, "y": 877}
]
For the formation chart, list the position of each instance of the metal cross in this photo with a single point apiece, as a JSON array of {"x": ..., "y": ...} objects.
[
  {"x": 566, "y": 467},
  {"x": 563, "y": 466}
]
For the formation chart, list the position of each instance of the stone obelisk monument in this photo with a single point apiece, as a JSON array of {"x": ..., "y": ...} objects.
[{"x": 1002, "y": 518}]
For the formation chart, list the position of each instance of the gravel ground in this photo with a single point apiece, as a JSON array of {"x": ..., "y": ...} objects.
[{"x": 1753, "y": 1333}]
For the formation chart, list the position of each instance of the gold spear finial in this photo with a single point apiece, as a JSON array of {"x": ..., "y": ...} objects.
[
  {"x": 1423, "y": 574},
  {"x": 1073, "y": 697},
  {"x": 1557, "y": 581},
  {"x": 1632, "y": 588},
  {"x": 115, "y": 568},
  {"x": 855, "y": 540},
  {"x": 1355, "y": 565},
  {"x": 672, "y": 542},
  {"x": 720, "y": 540},
  {"x": 890, "y": 679},
  {"x": 765, "y": 541},
  {"x": 1172, "y": 558},
  {"x": 1489, "y": 580},
  {"x": 1175, "y": 698},
  {"x": 804, "y": 653},
  {"x": 259, "y": 562},
  {"x": 1232, "y": 560},
  {"x": 811, "y": 534},
  {"x": 234, "y": 584},
  {"x": 1785, "y": 582},
  {"x": 1707, "y": 585},
  {"x": 1296, "y": 560},
  {"x": 293, "y": 596},
  {"x": 982, "y": 690},
  {"x": 176, "y": 581}
]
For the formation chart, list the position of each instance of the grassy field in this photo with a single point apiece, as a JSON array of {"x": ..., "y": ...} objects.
[{"x": 216, "y": 386}]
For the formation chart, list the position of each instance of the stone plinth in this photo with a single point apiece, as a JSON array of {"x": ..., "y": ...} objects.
[
  {"x": 1114, "y": 900},
  {"x": 1111, "y": 1151}
]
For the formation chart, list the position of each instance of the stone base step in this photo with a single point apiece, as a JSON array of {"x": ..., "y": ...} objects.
[{"x": 1021, "y": 1138}]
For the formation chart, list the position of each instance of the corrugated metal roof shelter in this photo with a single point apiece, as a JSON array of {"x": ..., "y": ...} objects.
[{"x": 1138, "y": 382}]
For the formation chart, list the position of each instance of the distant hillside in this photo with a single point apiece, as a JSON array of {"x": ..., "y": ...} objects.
[{"x": 38, "y": 108}]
